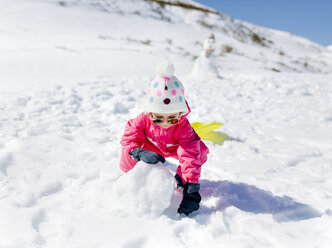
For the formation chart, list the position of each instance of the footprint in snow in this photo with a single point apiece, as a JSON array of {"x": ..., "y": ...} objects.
[
  {"x": 22, "y": 101},
  {"x": 51, "y": 189},
  {"x": 6, "y": 160},
  {"x": 36, "y": 131},
  {"x": 37, "y": 219}
]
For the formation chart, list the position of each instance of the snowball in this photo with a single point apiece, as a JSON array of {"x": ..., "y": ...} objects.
[
  {"x": 165, "y": 69},
  {"x": 146, "y": 190}
]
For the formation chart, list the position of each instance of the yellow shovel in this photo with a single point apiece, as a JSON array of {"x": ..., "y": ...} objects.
[{"x": 205, "y": 132}]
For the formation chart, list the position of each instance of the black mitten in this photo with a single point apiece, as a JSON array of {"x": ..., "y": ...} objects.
[
  {"x": 146, "y": 156},
  {"x": 191, "y": 199}
]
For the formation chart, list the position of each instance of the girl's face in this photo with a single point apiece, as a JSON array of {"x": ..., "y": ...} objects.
[{"x": 165, "y": 120}]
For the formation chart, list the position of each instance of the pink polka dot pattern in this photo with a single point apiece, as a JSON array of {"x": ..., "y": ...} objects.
[
  {"x": 174, "y": 92},
  {"x": 182, "y": 90},
  {"x": 158, "y": 93}
]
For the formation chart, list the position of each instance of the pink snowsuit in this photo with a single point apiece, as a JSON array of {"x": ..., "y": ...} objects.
[{"x": 180, "y": 141}]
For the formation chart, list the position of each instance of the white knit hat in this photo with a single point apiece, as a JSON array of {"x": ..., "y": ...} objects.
[{"x": 165, "y": 94}]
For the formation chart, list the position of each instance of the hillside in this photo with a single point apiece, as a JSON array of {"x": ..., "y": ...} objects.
[{"x": 89, "y": 34}]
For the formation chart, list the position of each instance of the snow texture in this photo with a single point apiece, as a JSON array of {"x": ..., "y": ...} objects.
[
  {"x": 146, "y": 190},
  {"x": 72, "y": 73}
]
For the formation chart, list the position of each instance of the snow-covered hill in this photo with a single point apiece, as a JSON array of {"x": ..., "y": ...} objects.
[
  {"x": 73, "y": 72},
  {"x": 81, "y": 39}
]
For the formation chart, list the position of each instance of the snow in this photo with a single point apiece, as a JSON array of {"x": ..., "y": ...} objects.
[
  {"x": 72, "y": 76},
  {"x": 142, "y": 192}
]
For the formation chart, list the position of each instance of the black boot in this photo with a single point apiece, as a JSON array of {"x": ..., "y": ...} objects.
[
  {"x": 191, "y": 199},
  {"x": 179, "y": 181}
]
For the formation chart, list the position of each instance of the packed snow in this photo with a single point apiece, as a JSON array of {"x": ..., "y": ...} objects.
[
  {"x": 141, "y": 192},
  {"x": 72, "y": 75}
]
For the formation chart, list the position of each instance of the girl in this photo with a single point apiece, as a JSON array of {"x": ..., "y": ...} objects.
[{"x": 163, "y": 130}]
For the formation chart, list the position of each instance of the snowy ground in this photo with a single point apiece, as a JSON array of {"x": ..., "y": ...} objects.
[{"x": 267, "y": 186}]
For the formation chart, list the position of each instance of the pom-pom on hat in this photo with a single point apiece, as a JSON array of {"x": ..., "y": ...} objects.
[{"x": 165, "y": 94}]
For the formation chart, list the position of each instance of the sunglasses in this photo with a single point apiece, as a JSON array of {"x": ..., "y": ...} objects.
[{"x": 169, "y": 121}]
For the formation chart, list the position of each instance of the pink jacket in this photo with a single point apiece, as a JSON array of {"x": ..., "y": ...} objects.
[{"x": 180, "y": 141}]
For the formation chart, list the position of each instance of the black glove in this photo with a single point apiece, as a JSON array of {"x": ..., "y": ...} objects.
[
  {"x": 146, "y": 156},
  {"x": 191, "y": 199}
]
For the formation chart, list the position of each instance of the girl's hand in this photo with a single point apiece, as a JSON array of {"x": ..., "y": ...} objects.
[{"x": 146, "y": 156}]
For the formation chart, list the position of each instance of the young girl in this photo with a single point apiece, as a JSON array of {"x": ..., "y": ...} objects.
[{"x": 163, "y": 130}]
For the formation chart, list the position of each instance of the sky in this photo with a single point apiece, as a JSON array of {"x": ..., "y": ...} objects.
[{"x": 311, "y": 19}]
